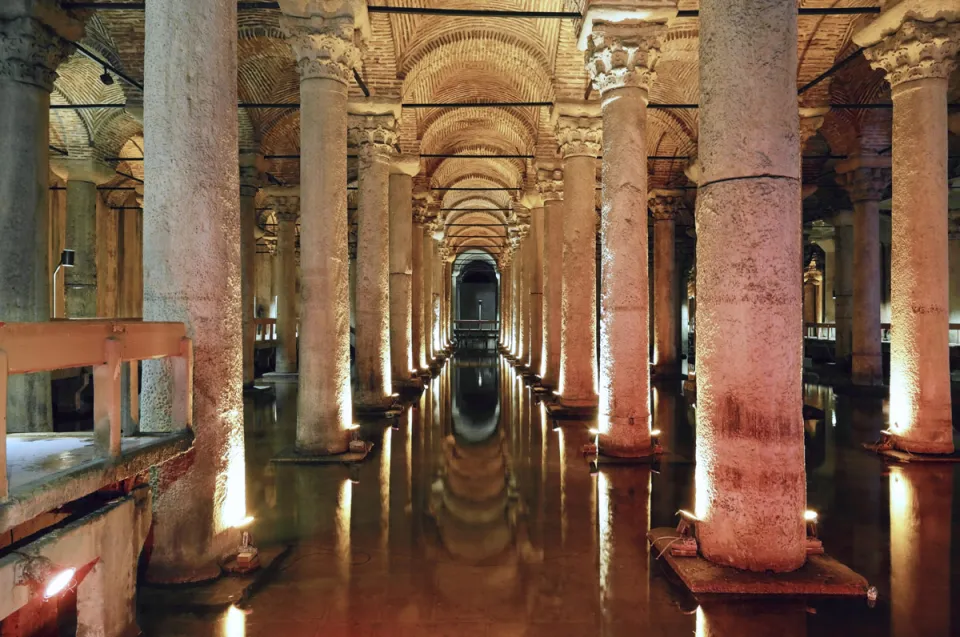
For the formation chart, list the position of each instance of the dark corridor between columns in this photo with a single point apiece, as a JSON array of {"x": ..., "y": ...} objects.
[{"x": 475, "y": 516}]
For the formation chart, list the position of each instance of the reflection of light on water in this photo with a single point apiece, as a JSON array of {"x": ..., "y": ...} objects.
[
  {"x": 604, "y": 524},
  {"x": 234, "y": 623},
  {"x": 232, "y": 482},
  {"x": 479, "y": 379},
  {"x": 701, "y": 623},
  {"x": 902, "y": 534},
  {"x": 563, "y": 488},
  {"x": 342, "y": 525},
  {"x": 385, "y": 486}
]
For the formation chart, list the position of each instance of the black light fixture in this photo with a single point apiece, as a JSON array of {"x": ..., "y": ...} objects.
[{"x": 106, "y": 78}]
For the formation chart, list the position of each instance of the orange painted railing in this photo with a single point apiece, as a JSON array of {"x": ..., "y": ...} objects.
[
  {"x": 266, "y": 329},
  {"x": 103, "y": 345}
]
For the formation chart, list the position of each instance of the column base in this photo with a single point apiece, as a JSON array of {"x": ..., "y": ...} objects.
[
  {"x": 867, "y": 370},
  {"x": 899, "y": 448},
  {"x": 612, "y": 451},
  {"x": 571, "y": 410},
  {"x": 293, "y": 455},
  {"x": 387, "y": 407}
]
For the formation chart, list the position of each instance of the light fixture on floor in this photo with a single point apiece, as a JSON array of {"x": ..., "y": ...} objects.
[
  {"x": 814, "y": 545},
  {"x": 685, "y": 545},
  {"x": 655, "y": 441},
  {"x": 39, "y": 573},
  {"x": 356, "y": 444}
]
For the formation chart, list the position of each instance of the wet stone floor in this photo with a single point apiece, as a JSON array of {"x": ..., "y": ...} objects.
[{"x": 474, "y": 517}]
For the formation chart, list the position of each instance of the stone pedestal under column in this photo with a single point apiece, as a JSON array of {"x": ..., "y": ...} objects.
[
  {"x": 373, "y": 131},
  {"x": 665, "y": 206},
  {"x": 401, "y": 268},
  {"x": 551, "y": 187},
  {"x": 286, "y": 204},
  {"x": 192, "y": 275},
  {"x": 327, "y": 53},
  {"x": 31, "y": 53},
  {"x": 579, "y": 133},
  {"x": 918, "y": 58},
  {"x": 749, "y": 345}
]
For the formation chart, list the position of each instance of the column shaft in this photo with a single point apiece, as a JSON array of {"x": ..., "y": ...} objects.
[
  {"x": 843, "y": 286},
  {"x": 867, "y": 362},
  {"x": 666, "y": 324},
  {"x": 248, "y": 255},
  {"x": 552, "y": 290},
  {"x": 401, "y": 267},
  {"x": 750, "y": 479},
  {"x": 536, "y": 290},
  {"x": 81, "y": 280},
  {"x": 285, "y": 283},
  {"x": 416, "y": 300},
  {"x": 192, "y": 274},
  {"x": 429, "y": 351}
]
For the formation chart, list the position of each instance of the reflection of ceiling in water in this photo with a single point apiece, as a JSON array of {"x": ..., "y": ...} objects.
[{"x": 476, "y": 399}]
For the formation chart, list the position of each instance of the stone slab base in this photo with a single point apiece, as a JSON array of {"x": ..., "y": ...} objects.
[
  {"x": 560, "y": 411},
  {"x": 906, "y": 456},
  {"x": 604, "y": 460},
  {"x": 219, "y": 594},
  {"x": 281, "y": 377},
  {"x": 292, "y": 456},
  {"x": 257, "y": 389},
  {"x": 820, "y": 576}
]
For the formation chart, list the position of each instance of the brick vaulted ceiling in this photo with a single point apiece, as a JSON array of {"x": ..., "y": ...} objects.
[{"x": 437, "y": 59}]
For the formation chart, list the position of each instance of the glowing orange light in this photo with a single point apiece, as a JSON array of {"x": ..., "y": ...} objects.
[{"x": 59, "y": 582}]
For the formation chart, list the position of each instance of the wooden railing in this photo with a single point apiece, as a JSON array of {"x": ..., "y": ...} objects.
[
  {"x": 828, "y": 332},
  {"x": 266, "y": 329},
  {"x": 103, "y": 345}
]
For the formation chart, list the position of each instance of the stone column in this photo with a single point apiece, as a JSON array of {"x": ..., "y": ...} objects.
[
  {"x": 665, "y": 205},
  {"x": 551, "y": 187},
  {"x": 429, "y": 351},
  {"x": 192, "y": 275},
  {"x": 749, "y": 345},
  {"x": 285, "y": 202},
  {"x": 249, "y": 184},
  {"x": 327, "y": 52},
  {"x": 621, "y": 62},
  {"x": 535, "y": 263},
  {"x": 401, "y": 267},
  {"x": 954, "y": 252},
  {"x": 523, "y": 295},
  {"x": 579, "y": 133},
  {"x": 448, "y": 298},
  {"x": 436, "y": 273},
  {"x": 416, "y": 289},
  {"x": 917, "y": 54},
  {"x": 373, "y": 131},
  {"x": 866, "y": 178},
  {"x": 843, "y": 285},
  {"x": 80, "y": 282},
  {"x": 31, "y": 51},
  {"x": 506, "y": 277}
]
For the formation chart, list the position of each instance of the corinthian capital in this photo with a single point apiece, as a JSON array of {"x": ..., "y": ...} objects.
[
  {"x": 624, "y": 56},
  {"x": 32, "y": 43},
  {"x": 285, "y": 201},
  {"x": 916, "y": 51},
  {"x": 579, "y": 135},
  {"x": 324, "y": 47},
  {"x": 865, "y": 178},
  {"x": 550, "y": 184},
  {"x": 666, "y": 205},
  {"x": 374, "y": 136}
]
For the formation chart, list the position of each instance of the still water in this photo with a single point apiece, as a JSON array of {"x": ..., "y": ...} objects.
[{"x": 475, "y": 517}]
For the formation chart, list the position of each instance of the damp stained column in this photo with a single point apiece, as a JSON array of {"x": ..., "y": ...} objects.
[
  {"x": 621, "y": 63},
  {"x": 401, "y": 267},
  {"x": 192, "y": 275},
  {"x": 416, "y": 288},
  {"x": 750, "y": 479},
  {"x": 327, "y": 50},
  {"x": 285, "y": 202},
  {"x": 429, "y": 350},
  {"x": 918, "y": 58},
  {"x": 551, "y": 187},
  {"x": 843, "y": 285},
  {"x": 579, "y": 134},
  {"x": 665, "y": 206},
  {"x": 28, "y": 60},
  {"x": 373, "y": 131},
  {"x": 866, "y": 178},
  {"x": 535, "y": 262},
  {"x": 249, "y": 185}
]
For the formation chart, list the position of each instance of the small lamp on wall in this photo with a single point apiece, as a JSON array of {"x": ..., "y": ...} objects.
[{"x": 67, "y": 258}]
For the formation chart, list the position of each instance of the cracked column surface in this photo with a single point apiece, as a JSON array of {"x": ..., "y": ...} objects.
[
  {"x": 419, "y": 359},
  {"x": 843, "y": 286},
  {"x": 374, "y": 134},
  {"x": 192, "y": 275},
  {"x": 80, "y": 282},
  {"x": 401, "y": 266},
  {"x": 621, "y": 63},
  {"x": 286, "y": 204},
  {"x": 866, "y": 179},
  {"x": 750, "y": 480},
  {"x": 665, "y": 205},
  {"x": 249, "y": 185},
  {"x": 918, "y": 56},
  {"x": 28, "y": 61},
  {"x": 551, "y": 187},
  {"x": 579, "y": 134},
  {"x": 327, "y": 52}
]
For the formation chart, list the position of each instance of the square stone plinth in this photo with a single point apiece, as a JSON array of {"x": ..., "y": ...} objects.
[
  {"x": 906, "y": 456},
  {"x": 820, "y": 576},
  {"x": 292, "y": 456},
  {"x": 559, "y": 411}
]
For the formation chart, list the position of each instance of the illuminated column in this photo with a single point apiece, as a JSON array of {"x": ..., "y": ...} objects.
[
  {"x": 373, "y": 131},
  {"x": 524, "y": 281},
  {"x": 80, "y": 282},
  {"x": 866, "y": 178},
  {"x": 921, "y": 501},
  {"x": 749, "y": 346},
  {"x": 249, "y": 184},
  {"x": 419, "y": 357},
  {"x": 843, "y": 285},
  {"x": 665, "y": 206},
  {"x": 31, "y": 51},
  {"x": 579, "y": 133},
  {"x": 918, "y": 59},
  {"x": 429, "y": 351},
  {"x": 285, "y": 202},
  {"x": 436, "y": 267},
  {"x": 192, "y": 275},
  {"x": 516, "y": 295},
  {"x": 551, "y": 187},
  {"x": 535, "y": 241},
  {"x": 327, "y": 52},
  {"x": 448, "y": 305},
  {"x": 621, "y": 62},
  {"x": 506, "y": 276}
]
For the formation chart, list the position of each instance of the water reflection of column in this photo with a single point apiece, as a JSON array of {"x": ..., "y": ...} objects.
[
  {"x": 623, "y": 518},
  {"x": 920, "y": 553},
  {"x": 386, "y": 452},
  {"x": 780, "y": 618}
]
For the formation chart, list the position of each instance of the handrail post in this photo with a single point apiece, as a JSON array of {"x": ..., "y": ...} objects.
[
  {"x": 183, "y": 385},
  {"x": 106, "y": 400},
  {"x": 4, "y": 485}
]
